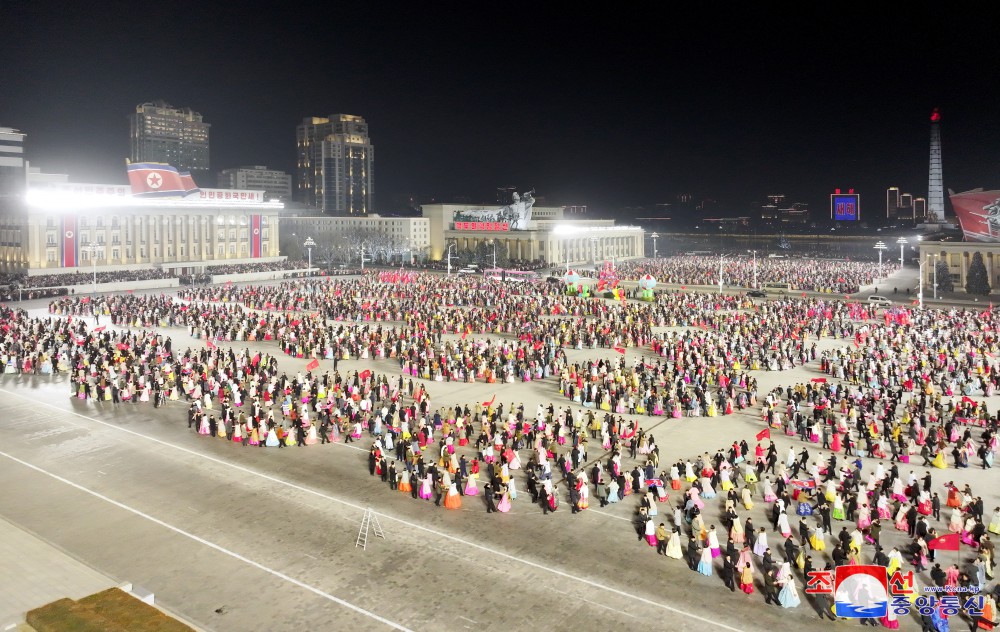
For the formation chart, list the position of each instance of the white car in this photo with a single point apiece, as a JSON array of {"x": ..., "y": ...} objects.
[{"x": 879, "y": 300}]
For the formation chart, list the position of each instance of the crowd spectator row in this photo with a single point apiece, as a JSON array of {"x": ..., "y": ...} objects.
[{"x": 839, "y": 277}]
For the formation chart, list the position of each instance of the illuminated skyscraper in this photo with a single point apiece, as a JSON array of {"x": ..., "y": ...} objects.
[
  {"x": 892, "y": 202},
  {"x": 159, "y": 132},
  {"x": 335, "y": 165}
]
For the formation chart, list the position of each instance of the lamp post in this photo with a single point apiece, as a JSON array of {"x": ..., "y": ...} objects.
[
  {"x": 880, "y": 246},
  {"x": 721, "y": 259},
  {"x": 902, "y": 243},
  {"x": 920, "y": 287},
  {"x": 935, "y": 255},
  {"x": 92, "y": 249},
  {"x": 450, "y": 246},
  {"x": 309, "y": 243},
  {"x": 754, "y": 268},
  {"x": 654, "y": 236},
  {"x": 494, "y": 241}
]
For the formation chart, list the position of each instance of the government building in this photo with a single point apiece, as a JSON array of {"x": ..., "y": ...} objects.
[{"x": 59, "y": 226}]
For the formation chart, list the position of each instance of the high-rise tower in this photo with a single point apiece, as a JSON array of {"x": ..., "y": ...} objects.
[
  {"x": 935, "y": 188},
  {"x": 336, "y": 162}
]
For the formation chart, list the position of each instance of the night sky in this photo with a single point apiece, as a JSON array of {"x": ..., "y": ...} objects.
[{"x": 626, "y": 107}]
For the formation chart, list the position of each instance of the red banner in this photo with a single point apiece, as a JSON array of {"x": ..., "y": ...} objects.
[
  {"x": 764, "y": 434},
  {"x": 947, "y": 542},
  {"x": 256, "y": 249},
  {"x": 312, "y": 365},
  {"x": 69, "y": 253}
]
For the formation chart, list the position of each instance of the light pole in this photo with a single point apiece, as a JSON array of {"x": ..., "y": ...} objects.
[
  {"x": 494, "y": 255},
  {"x": 920, "y": 287},
  {"x": 309, "y": 243},
  {"x": 450, "y": 246},
  {"x": 92, "y": 249},
  {"x": 902, "y": 243},
  {"x": 935, "y": 255},
  {"x": 721, "y": 258},
  {"x": 654, "y": 237},
  {"x": 880, "y": 246},
  {"x": 754, "y": 268}
]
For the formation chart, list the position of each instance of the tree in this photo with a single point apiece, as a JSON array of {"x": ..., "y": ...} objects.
[
  {"x": 977, "y": 280},
  {"x": 944, "y": 282}
]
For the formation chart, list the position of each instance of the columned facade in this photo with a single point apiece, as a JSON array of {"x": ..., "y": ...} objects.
[{"x": 958, "y": 256}]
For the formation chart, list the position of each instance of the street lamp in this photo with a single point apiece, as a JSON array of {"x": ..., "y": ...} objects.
[
  {"x": 309, "y": 243},
  {"x": 935, "y": 256},
  {"x": 654, "y": 236},
  {"x": 450, "y": 246},
  {"x": 920, "y": 287},
  {"x": 902, "y": 243},
  {"x": 494, "y": 241},
  {"x": 754, "y": 268},
  {"x": 92, "y": 249},
  {"x": 721, "y": 259},
  {"x": 880, "y": 246}
]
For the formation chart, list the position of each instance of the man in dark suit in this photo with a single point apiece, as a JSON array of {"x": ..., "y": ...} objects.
[
  {"x": 727, "y": 572},
  {"x": 693, "y": 553}
]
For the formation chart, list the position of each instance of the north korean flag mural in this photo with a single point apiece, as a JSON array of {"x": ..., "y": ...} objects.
[
  {"x": 154, "y": 179},
  {"x": 255, "y": 236},
  {"x": 69, "y": 249}
]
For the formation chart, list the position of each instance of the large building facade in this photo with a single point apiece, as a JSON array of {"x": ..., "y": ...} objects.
[
  {"x": 65, "y": 227},
  {"x": 549, "y": 237},
  {"x": 336, "y": 164},
  {"x": 385, "y": 238},
  {"x": 13, "y": 166},
  {"x": 276, "y": 185},
  {"x": 160, "y": 132}
]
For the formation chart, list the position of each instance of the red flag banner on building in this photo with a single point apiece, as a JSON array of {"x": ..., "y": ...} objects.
[
  {"x": 256, "y": 232},
  {"x": 155, "y": 179},
  {"x": 312, "y": 365},
  {"x": 764, "y": 434},
  {"x": 947, "y": 542},
  {"x": 187, "y": 182},
  {"x": 69, "y": 249}
]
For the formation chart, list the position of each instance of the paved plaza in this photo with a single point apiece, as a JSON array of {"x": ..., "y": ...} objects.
[{"x": 235, "y": 538}]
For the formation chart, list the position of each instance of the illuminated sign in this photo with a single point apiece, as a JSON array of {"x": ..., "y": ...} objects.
[
  {"x": 489, "y": 226},
  {"x": 227, "y": 195},
  {"x": 845, "y": 206}
]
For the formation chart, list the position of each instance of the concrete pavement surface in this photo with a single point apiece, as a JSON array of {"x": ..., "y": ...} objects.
[{"x": 239, "y": 538}]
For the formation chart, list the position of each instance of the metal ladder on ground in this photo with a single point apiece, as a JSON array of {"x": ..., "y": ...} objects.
[{"x": 368, "y": 522}]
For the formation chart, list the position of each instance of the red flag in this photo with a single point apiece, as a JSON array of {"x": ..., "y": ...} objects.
[
  {"x": 803, "y": 484},
  {"x": 312, "y": 365},
  {"x": 947, "y": 542},
  {"x": 101, "y": 328},
  {"x": 122, "y": 346},
  {"x": 85, "y": 299},
  {"x": 210, "y": 344},
  {"x": 819, "y": 380},
  {"x": 764, "y": 434},
  {"x": 538, "y": 345},
  {"x": 620, "y": 350},
  {"x": 490, "y": 403},
  {"x": 364, "y": 374},
  {"x": 464, "y": 334}
]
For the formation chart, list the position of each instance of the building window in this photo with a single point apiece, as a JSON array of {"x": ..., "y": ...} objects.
[
  {"x": 50, "y": 256},
  {"x": 114, "y": 254},
  {"x": 50, "y": 239},
  {"x": 142, "y": 252},
  {"x": 221, "y": 250},
  {"x": 50, "y": 222},
  {"x": 232, "y": 249}
]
